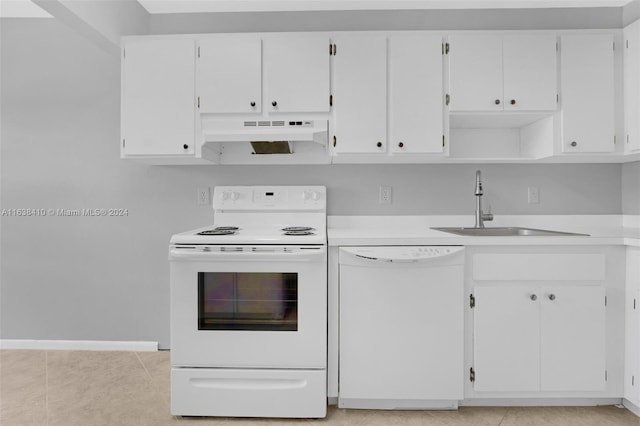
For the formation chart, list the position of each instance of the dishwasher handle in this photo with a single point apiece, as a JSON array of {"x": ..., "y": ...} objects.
[{"x": 402, "y": 255}]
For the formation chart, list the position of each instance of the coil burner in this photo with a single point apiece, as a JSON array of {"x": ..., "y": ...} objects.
[
  {"x": 221, "y": 230},
  {"x": 298, "y": 230}
]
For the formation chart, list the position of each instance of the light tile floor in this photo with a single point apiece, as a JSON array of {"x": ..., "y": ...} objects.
[{"x": 87, "y": 388}]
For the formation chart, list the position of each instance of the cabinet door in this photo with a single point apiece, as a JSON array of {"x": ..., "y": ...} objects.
[
  {"x": 530, "y": 70},
  {"x": 415, "y": 94},
  {"x": 475, "y": 73},
  {"x": 572, "y": 331},
  {"x": 158, "y": 97},
  {"x": 632, "y": 86},
  {"x": 632, "y": 327},
  {"x": 360, "y": 96},
  {"x": 297, "y": 74},
  {"x": 506, "y": 351},
  {"x": 587, "y": 96},
  {"x": 229, "y": 75},
  {"x": 632, "y": 347}
]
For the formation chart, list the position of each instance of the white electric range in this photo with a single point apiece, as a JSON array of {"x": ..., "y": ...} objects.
[{"x": 249, "y": 306}]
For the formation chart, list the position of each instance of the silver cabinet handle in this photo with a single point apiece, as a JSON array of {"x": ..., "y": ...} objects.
[
  {"x": 533, "y": 297},
  {"x": 552, "y": 296}
]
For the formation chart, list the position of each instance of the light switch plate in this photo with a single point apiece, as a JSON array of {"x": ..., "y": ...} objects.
[{"x": 533, "y": 195}]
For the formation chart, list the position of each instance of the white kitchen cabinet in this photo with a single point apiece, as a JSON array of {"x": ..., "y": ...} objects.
[
  {"x": 506, "y": 339},
  {"x": 587, "y": 97},
  {"x": 572, "y": 332},
  {"x": 296, "y": 73},
  {"x": 530, "y": 72},
  {"x": 539, "y": 338},
  {"x": 632, "y": 86},
  {"x": 502, "y": 73},
  {"x": 229, "y": 75},
  {"x": 416, "y": 94},
  {"x": 360, "y": 95},
  {"x": 475, "y": 73},
  {"x": 158, "y": 97},
  {"x": 632, "y": 327}
]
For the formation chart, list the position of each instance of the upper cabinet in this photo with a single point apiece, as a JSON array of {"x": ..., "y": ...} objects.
[
  {"x": 230, "y": 75},
  {"x": 587, "y": 99},
  {"x": 360, "y": 95},
  {"x": 388, "y": 95},
  {"x": 158, "y": 98},
  {"x": 296, "y": 74},
  {"x": 632, "y": 86},
  {"x": 502, "y": 72},
  {"x": 415, "y": 95},
  {"x": 294, "y": 71},
  {"x": 382, "y": 97}
]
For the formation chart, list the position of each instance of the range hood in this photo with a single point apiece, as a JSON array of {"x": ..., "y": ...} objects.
[{"x": 266, "y": 136}]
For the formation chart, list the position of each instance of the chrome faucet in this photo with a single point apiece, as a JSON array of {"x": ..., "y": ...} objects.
[{"x": 480, "y": 216}]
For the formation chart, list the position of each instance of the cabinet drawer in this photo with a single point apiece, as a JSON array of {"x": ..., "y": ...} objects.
[
  {"x": 539, "y": 267},
  {"x": 272, "y": 393}
]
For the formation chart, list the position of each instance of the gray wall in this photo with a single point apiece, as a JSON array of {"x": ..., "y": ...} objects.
[
  {"x": 106, "y": 278},
  {"x": 631, "y": 188},
  {"x": 483, "y": 19}
]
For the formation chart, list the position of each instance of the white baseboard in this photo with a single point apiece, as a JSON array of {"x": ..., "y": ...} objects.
[
  {"x": 538, "y": 402},
  {"x": 631, "y": 407},
  {"x": 79, "y": 345}
]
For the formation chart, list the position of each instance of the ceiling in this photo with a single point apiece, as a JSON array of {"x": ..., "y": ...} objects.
[
  {"x": 204, "y": 6},
  {"x": 21, "y": 9},
  {"x": 26, "y": 8}
]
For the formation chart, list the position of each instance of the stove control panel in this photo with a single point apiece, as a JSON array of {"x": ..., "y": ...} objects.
[{"x": 271, "y": 198}]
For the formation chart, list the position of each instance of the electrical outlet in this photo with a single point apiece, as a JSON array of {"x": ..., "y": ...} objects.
[
  {"x": 203, "y": 196},
  {"x": 533, "y": 195},
  {"x": 385, "y": 194}
]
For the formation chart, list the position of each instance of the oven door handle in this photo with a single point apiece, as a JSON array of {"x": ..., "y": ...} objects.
[{"x": 200, "y": 255}]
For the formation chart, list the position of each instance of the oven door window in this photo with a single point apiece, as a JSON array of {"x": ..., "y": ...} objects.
[{"x": 248, "y": 301}]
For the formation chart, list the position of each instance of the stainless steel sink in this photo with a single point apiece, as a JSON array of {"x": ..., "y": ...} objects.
[{"x": 507, "y": 232}]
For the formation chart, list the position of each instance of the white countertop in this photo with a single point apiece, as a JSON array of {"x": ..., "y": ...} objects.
[{"x": 415, "y": 230}]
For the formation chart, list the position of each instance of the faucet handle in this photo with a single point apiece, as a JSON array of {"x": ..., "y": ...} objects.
[{"x": 487, "y": 216}]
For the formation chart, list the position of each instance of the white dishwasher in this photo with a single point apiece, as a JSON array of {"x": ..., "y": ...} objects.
[{"x": 401, "y": 327}]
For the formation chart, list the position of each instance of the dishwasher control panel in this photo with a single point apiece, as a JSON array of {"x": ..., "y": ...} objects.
[{"x": 401, "y": 253}]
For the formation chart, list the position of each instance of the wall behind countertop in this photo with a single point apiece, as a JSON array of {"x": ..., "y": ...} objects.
[
  {"x": 106, "y": 278},
  {"x": 631, "y": 188}
]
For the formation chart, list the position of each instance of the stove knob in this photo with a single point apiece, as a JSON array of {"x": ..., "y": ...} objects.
[
  {"x": 234, "y": 195},
  {"x": 226, "y": 195},
  {"x": 315, "y": 196},
  {"x": 305, "y": 195}
]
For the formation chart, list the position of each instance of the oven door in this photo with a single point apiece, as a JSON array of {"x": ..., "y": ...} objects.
[{"x": 248, "y": 306}]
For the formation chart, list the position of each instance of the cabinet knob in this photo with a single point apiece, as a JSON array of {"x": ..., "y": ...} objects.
[
  {"x": 274, "y": 103},
  {"x": 185, "y": 146},
  {"x": 497, "y": 101},
  {"x": 253, "y": 104},
  {"x": 401, "y": 144},
  {"x": 533, "y": 297},
  {"x": 513, "y": 102},
  {"x": 574, "y": 143},
  {"x": 552, "y": 296},
  {"x": 379, "y": 144}
]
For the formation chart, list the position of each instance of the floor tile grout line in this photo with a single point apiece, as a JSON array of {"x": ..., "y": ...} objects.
[
  {"x": 46, "y": 385},
  {"x": 504, "y": 416},
  {"x": 146, "y": 371}
]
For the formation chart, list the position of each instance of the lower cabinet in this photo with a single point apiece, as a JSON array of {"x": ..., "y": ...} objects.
[
  {"x": 632, "y": 327},
  {"x": 539, "y": 338}
]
